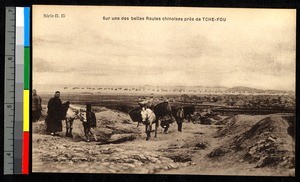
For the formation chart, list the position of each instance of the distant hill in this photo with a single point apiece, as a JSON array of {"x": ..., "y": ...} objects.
[
  {"x": 254, "y": 90},
  {"x": 244, "y": 89}
]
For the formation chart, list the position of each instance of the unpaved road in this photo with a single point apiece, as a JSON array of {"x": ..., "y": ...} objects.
[{"x": 172, "y": 153}]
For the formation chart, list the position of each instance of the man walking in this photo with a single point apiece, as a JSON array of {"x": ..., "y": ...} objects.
[
  {"x": 36, "y": 106},
  {"x": 54, "y": 117}
]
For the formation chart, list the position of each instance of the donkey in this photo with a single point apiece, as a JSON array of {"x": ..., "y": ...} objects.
[
  {"x": 69, "y": 114},
  {"x": 148, "y": 118}
]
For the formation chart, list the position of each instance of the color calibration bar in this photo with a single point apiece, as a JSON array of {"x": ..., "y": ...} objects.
[
  {"x": 25, "y": 163},
  {"x": 21, "y": 129},
  {"x": 19, "y": 79}
]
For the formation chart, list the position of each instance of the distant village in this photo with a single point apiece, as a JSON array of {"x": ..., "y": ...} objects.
[{"x": 235, "y": 97}]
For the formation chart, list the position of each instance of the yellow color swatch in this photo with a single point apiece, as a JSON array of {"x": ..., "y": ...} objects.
[{"x": 26, "y": 110}]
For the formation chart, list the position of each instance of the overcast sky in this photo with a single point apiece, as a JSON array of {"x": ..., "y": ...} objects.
[{"x": 254, "y": 48}]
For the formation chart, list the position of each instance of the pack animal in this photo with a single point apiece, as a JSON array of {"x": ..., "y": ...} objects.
[
  {"x": 178, "y": 113},
  {"x": 162, "y": 110},
  {"x": 69, "y": 114},
  {"x": 135, "y": 115},
  {"x": 188, "y": 111},
  {"x": 148, "y": 118}
]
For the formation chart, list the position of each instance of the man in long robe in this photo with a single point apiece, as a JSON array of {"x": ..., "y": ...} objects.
[
  {"x": 36, "y": 106},
  {"x": 54, "y": 117}
]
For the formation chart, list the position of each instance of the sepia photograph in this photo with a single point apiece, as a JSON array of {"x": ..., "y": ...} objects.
[{"x": 163, "y": 90}]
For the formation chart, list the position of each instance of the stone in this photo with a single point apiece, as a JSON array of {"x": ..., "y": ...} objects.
[
  {"x": 78, "y": 149},
  {"x": 142, "y": 157},
  {"x": 105, "y": 163},
  {"x": 130, "y": 161},
  {"x": 173, "y": 166},
  {"x": 130, "y": 165},
  {"x": 62, "y": 158},
  {"x": 152, "y": 159},
  {"x": 185, "y": 164},
  {"x": 158, "y": 162},
  {"x": 272, "y": 139},
  {"x": 151, "y": 171},
  {"x": 251, "y": 152},
  {"x": 119, "y": 150},
  {"x": 112, "y": 170}
]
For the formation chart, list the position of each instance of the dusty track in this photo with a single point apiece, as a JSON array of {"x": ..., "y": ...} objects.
[{"x": 192, "y": 151}]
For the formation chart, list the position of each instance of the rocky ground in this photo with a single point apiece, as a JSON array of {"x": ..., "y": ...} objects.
[{"x": 238, "y": 145}]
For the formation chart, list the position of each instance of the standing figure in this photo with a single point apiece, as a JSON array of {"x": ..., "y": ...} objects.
[
  {"x": 54, "y": 117},
  {"x": 36, "y": 106},
  {"x": 179, "y": 118},
  {"x": 89, "y": 122}
]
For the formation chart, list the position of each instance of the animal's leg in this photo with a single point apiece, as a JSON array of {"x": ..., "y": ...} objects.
[
  {"x": 67, "y": 128},
  {"x": 71, "y": 127},
  {"x": 147, "y": 131},
  {"x": 93, "y": 133},
  {"x": 170, "y": 115},
  {"x": 156, "y": 126},
  {"x": 70, "y": 133},
  {"x": 190, "y": 118},
  {"x": 179, "y": 126},
  {"x": 86, "y": 133},
  {"x": 167, "y": 127},
  {"x": 95, "y": 137}
]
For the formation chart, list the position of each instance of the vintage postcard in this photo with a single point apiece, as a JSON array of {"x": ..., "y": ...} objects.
[{"x": 163, "y": 90}]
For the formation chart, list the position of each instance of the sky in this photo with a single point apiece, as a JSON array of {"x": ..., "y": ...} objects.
[{"x": 253, "y": 47}]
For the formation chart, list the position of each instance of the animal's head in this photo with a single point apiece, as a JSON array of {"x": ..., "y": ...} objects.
[
  {"x": 65, "y": 106},
  {"x": 64, "y": 109},
  {"x": 82, "y": 116},
  {"x": 144, "y": 114},
  {"x": 77, "y": 114},
  {"x": 67, "y": 103}
]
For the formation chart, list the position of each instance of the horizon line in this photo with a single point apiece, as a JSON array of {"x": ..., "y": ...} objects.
[{"x": 289, "y": 90}]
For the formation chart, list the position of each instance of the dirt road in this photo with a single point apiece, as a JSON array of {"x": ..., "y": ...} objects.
[{"x": 199, "y": 149}]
